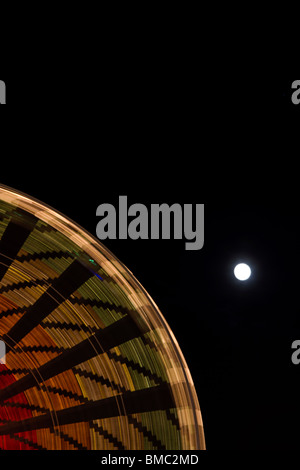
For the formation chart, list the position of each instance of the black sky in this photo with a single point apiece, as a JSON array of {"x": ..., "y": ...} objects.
[{"x": 232, "y": 148}]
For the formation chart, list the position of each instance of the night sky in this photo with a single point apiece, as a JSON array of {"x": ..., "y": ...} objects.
[{"x": 231, "y": 147}]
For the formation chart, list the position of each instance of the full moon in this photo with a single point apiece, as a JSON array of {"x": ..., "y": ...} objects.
[{"x": 242, "y": 272}]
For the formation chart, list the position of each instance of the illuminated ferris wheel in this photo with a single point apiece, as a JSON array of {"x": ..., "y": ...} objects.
[{"x": 90, "y": 361}]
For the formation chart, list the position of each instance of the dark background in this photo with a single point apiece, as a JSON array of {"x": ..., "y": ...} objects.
[{"x": 163, "y": 133}]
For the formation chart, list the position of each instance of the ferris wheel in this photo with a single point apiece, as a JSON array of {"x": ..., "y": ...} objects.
[{"x": 88, "y": 360}]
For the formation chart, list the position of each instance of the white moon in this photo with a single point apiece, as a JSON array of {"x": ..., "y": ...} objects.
[{"x": 242, "y": 272}]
